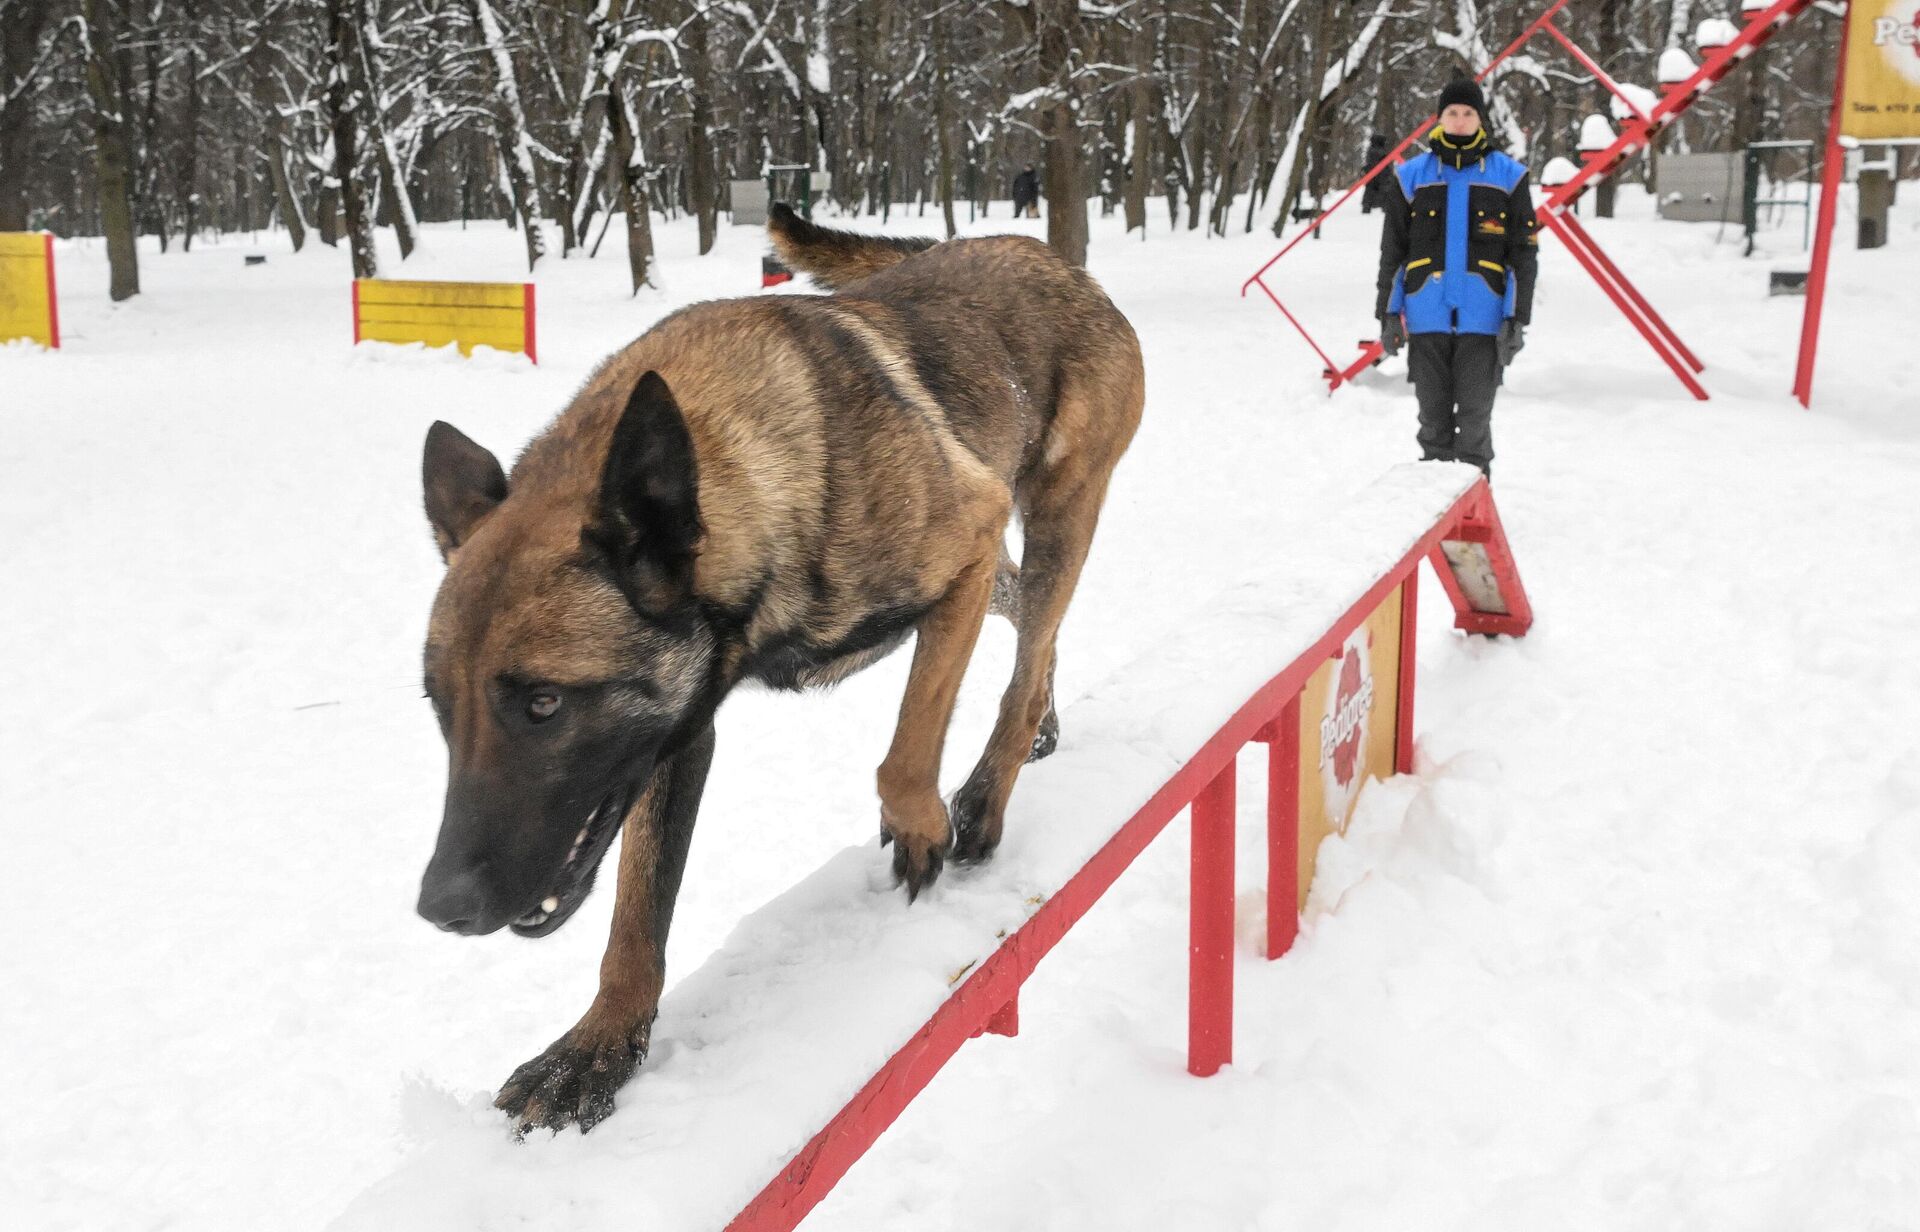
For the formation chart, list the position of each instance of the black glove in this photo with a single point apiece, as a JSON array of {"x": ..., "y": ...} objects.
[
  {"x": 1513, "y": 336},
  {"x": 1393, "y": 334}
]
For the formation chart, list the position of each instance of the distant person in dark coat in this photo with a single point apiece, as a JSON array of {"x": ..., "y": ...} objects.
[
  {"x": 1026, "y": 194},
  {"x": 1374, "y": 196}
]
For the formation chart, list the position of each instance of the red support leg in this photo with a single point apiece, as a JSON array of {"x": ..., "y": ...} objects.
[
  {"x": 1283, "y": 831},
  {"x": 528, "y": 339},
  {"x": 1005, "y": 1020},
  {"x": 1370, "y": 353},
  {"x": 1639, "y": 300},
  {"x": 1475, "y": 565},
  {"x": 1210, "y": 951},
  {"x": 1823, "y": 228},
  {"x": 1328, "y": 368},
  {"x": 1409, "y": 627},
  {"x": 1621, "y": 302}
]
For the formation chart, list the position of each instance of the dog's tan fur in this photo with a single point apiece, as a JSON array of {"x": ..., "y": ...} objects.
[{"x": 858, "y": 458}]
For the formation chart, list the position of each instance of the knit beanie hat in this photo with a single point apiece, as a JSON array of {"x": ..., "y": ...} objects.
[{"x": 1463, "y": 90}]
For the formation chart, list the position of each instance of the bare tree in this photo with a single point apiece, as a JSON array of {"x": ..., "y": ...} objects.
[
  {"x": 703, "y": 194},
  {"x": 346, "y": 97},
  {"x": 176, "y": 117},
  {"x": 24, "y": 65},
  {"x": 511, "y": 133},
  {"x": 112, "y": 146}
]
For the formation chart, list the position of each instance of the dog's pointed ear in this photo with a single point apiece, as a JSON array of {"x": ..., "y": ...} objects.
[
  {"x": 463, "y": 482},
  {"x": 649, "y": 514}
]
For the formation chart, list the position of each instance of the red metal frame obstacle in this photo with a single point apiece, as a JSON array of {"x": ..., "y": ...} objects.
[
  {"x": 1468, "y": 550},
  {"x": 1637, "y": 131}
]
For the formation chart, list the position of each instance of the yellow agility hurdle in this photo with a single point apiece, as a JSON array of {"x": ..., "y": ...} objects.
[
  {"x": 29, "y": 307},
  {"x": 468, "y": 314}
]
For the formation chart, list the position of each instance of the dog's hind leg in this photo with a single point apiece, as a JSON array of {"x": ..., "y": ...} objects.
[
  {"x": 1006, "y": 602},
  {"x": 1046, "y": 738},
  {"x": 1049, "y": 569},
  {"x": 1006, "y": 588},
  {"x": 574, "y": 1080},
  {"x": 1060, "y": 506},
  {"x": 911, "y": 811}
]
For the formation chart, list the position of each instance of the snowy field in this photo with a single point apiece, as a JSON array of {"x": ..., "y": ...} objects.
[{"x": 1638, "y": 947}]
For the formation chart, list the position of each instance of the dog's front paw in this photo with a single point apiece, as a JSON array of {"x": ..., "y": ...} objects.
[
  {"x": 573, "y": 1081},
  {"x": 920, "y": 830},
  {"x": 917, "y": 863}
]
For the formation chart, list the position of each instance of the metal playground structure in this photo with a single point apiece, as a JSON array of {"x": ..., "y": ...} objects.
[{"x": 1637, "y": 131}]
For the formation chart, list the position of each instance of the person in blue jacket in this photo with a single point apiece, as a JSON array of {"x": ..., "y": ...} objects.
[{"x": 1458, "y": 258}]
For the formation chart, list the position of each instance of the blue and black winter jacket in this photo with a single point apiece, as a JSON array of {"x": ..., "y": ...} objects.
[{"x": 1459, "y": 248}]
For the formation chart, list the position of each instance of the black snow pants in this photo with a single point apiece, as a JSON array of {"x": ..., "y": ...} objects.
[{"x": 1454, "y": 379}]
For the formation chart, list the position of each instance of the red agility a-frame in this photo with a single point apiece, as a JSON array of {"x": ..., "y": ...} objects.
[{"x": 1556, "y": 208}]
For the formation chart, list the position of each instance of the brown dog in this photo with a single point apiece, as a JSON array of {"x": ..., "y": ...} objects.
[{"x": 778, "y": 489}]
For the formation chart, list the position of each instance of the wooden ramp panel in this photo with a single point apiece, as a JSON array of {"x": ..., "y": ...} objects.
[{"x": 467, "y": 314}]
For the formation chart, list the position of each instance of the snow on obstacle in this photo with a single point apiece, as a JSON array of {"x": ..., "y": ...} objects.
[
  {"x": 1715, "y": 33},
  {"x": 1675, "y": 66},
  {"x": 1632, "y": 98}
]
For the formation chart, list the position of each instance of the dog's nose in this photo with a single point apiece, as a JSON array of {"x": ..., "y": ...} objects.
[{"x": 456, "y": 902}]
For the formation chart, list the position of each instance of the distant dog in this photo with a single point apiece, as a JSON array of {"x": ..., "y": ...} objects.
[{"x": 777, "y": 489}]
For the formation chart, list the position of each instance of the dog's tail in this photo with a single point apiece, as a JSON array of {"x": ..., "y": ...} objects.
[{"x": 835, "y": 258}]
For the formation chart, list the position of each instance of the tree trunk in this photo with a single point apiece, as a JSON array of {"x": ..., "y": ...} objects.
[
  {"x": 146, "y": 148},
  {"x": 1059, "y": 27},
  {"x": 345, "y": 95},
  {"x": 874, "y": 78},
  {"x": 1308, "y": 123},
  {"x": 20, "y": 26},
  {"x": 1194, "y": 140},
  {"x": 585, "y": 170},
  {"x": 1140, "y": 127},
  {"x": 1263, "y": 160},
  {"x": 1235, "y": 130},
  {"x": 510, "y": 131},
  {"x": 112, "y": 152},
  {"x": 1609, "y": 46},
  {"x": 187, "y": 173},
  {"x": 283, "y": 194},
  {"x": 703, "y": 193},
  {"x": 328, "y": 215},
  {"x": 273, "y": 146},
  {"x": 942, "y": 124},
  {"x": 393, "y": 180},
  {"x": 630, "y": 185}
]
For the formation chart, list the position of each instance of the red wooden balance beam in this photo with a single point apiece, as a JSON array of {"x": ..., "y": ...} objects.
[{"x": 782, "y": 1059}]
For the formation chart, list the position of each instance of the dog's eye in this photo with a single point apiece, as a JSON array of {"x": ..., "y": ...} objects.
[{"x": 543, "y": 706}]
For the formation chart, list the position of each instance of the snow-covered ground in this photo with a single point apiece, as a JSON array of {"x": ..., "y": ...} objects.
[{"x": 1638, "y": 947}]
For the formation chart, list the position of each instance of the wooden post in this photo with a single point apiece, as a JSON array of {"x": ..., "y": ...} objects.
[
  {"x": 1210, "y": 949},
  {"x": 1283, "y": 831}
]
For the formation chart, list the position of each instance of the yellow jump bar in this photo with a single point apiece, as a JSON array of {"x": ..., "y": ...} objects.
[
  {"x": 29, "y": 306},
  {"x": 468, "y": 314}
]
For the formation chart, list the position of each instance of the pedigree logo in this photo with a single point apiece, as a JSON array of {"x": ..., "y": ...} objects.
[
  {"x": 1904, "y": 34},
  {"x": 1896, "y": 35},
  {"x": 1344, "y": 725}
]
